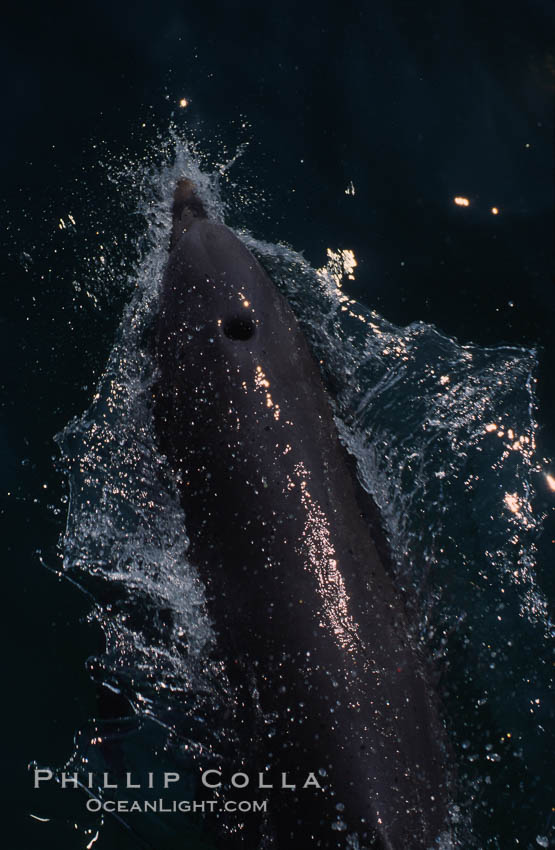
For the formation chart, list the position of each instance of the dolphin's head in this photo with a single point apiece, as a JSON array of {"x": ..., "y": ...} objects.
[
  {"x": 214, "y": 285},
  {"x": 223, "y": 331}
]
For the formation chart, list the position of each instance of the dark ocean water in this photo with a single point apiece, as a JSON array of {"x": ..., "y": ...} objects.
[{"x": 411, "y": 107}]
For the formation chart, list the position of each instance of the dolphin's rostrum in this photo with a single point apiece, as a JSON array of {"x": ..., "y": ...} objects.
[{"x": 307, "y": 615}]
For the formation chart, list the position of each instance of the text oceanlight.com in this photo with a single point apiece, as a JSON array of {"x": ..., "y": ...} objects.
[{"x": 173, "y": 806}]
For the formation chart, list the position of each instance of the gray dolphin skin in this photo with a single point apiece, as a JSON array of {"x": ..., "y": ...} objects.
[{"x": 311, "y": 625}]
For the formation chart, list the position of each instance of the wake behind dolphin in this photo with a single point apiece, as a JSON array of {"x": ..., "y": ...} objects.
[{"x": 314, "y": 631}]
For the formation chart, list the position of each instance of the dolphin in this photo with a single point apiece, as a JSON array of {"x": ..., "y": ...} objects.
[{"x": 307, "y": 614}]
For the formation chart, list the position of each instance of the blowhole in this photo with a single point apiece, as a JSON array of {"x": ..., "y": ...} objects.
[{"x": 239, "y": 328}]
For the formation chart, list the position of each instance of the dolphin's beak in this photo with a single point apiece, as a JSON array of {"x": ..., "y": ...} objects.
[{"x": 185, "y": 208}]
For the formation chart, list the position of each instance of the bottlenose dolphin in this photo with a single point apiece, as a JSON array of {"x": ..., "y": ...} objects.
[{"x": 307, "y": 614}]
